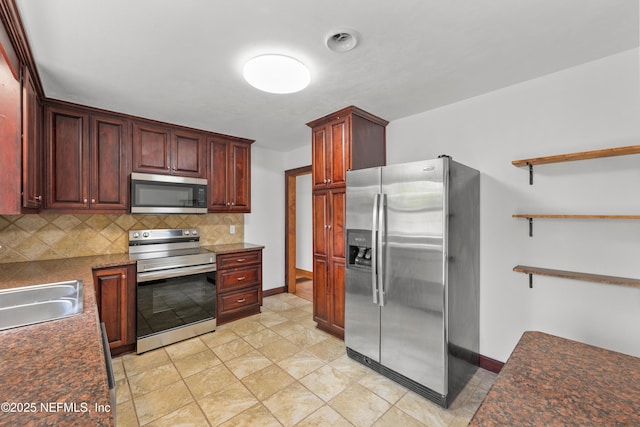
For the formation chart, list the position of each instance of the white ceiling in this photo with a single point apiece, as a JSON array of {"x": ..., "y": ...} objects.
[{"x": 181, "y": 61}]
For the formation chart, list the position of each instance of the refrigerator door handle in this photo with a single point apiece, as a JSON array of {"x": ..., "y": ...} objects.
[
  {"x": 374, "y": 250},
  {"x": 382, "y": 209}
]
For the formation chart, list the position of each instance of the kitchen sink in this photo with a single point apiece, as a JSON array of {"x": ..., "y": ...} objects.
[{"x": 40, "y": 303}]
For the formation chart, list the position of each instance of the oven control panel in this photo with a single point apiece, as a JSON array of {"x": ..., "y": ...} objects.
[{"x": 178, "y": 234}]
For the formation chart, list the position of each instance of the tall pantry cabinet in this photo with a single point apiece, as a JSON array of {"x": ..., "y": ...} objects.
[{"x": 347, "y": 139}]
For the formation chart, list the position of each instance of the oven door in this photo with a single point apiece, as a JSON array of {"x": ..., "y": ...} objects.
[{"x": 175, "y": 305}]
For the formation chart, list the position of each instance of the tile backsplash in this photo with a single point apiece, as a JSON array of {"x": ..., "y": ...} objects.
[{"x": 51, "y": 236}]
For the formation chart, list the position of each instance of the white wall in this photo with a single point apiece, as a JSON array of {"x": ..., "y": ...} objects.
[
  {"x": 265, "y": 224},
  {"x": 304, "y": 220},
  {"x": 593, "y": 106}
]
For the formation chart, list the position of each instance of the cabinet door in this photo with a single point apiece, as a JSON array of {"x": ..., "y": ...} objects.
[
  {"x": 109, "y": 149},
  {"x": 240, "y": 177},
  {"x": 151, "y": 149},
  {"x": 320, "y": 223},
  {"x": 321, "y": 294},
  {"x": 320, "y": 158},
  {"x": 336, "y": 226},
  {"x": 67, "y": 158},
  {"x": 338, "y": 211},
  {"x": 217, "y": 166},
  {"x": 339, "y": 152},
  {"x": 10, "y": 185},
  {"x": 115, "y": 298},
  {"x": 187, "y": 154},
  {"x": 32, "y": 144},
  {"x": 337, "y": 296}
]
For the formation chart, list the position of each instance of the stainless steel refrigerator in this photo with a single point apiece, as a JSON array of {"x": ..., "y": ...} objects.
[{"x": 412, "y": 274}]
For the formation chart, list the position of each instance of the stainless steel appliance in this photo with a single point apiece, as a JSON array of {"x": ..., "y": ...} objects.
[
  {"x": 111, "y": 379},
  {"x": 168, "y": 194},
  {"x": 412, "y": 274},
  {"x": 176, "y": 286}
]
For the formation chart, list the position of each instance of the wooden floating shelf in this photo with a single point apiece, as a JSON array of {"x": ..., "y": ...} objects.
[
  {"x": 531, "y": 216},
  {"x": 584, "y": 155},
  {"x": 610, "y": 280}
]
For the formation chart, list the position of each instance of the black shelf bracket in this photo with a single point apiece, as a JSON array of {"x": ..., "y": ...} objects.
[
  {"x": 530, "y": 173},
  {"x": 530, "y": 281},
  {"x": 530, "y": 227}
]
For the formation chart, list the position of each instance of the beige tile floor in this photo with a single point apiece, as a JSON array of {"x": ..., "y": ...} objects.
[{"x": 273, "y": 369}]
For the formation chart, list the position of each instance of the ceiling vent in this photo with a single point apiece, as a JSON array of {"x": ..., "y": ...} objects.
[{"x": 342, "y": 41}]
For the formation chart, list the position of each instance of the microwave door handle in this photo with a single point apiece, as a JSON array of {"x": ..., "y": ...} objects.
[{"x": 374, "y": 249}]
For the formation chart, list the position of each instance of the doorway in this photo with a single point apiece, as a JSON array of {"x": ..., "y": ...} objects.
[{"x": 298, "y": 272}]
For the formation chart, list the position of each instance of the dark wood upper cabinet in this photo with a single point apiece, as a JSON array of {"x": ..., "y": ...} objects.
[
  {"x": 229, "y": 175},
  {"x": 330, "y": 151},
  {"x": 87, "y": 160},
  {"x": 347, "y": 139},
  {"x": 32, "y": 145},
  {"x": 160, "y": 149},
  {"x": 151, "y": 148},
  {"x": 67, "y": 154},
  {"x": 187, "y": 154},
  {"x": 110, "y": 147},
  {"x": 10, "y": 143}
]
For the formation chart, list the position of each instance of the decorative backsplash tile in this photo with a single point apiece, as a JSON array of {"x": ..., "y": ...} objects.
[{"x": 51, "y": 236}]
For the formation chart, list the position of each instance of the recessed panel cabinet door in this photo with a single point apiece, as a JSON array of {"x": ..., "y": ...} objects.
[
  {"x": 336, "y": 227},
  {"x": 339, "y": 154},
  {"x": 240, "y": 184},
  {"x": 218, "y": 172},
  {"x": 320, "y": 223},
  {"x": 320, "y": 158},
  {"x": 67, "y": 158},
  {"x": 187, "y": 154},
  {"x": 151, "y": 149},
  {"x": 10, "y": 185},
  {"x": 321, "y": 293},
  {"x": 32, "y": 145},
  {"x": 337, "y": 294},
  {"x": 115, "y": 297},
  {"x": 109, "y": 149}
]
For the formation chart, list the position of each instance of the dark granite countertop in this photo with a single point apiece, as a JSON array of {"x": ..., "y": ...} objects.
[
  {"x": 45, "y": 366},
  {"x": 550, "y": 380},
  {"x": 232, "y": 248}
]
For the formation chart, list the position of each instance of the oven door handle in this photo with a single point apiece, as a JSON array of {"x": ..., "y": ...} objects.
[{"x": 175, "y": 272}]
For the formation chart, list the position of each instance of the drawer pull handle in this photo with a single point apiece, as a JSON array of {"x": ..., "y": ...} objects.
[
  {"x": 242, "y": 300},
  {"x": 240, "y": 260},
  {"x": 239, "y": 279}
]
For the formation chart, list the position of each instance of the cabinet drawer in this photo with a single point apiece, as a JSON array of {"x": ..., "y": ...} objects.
[
  {"x": 238, "y": 259},
  {"x": 238, "y": 300},
  {"x": 238, "y": 278}
]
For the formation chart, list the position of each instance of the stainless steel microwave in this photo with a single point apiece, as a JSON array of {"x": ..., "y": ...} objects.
[{"x": 167, "y": 194}]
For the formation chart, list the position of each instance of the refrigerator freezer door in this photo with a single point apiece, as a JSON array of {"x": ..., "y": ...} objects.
[
  {"x": 362, "y": 315},
  {"x": 413, "y": 318}
]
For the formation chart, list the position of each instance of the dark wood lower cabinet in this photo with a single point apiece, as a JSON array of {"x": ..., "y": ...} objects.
[
  {"x": 115, "y": 289},
  {"x": 329, "y": 260},
  {"x": 239, "y": 285}
]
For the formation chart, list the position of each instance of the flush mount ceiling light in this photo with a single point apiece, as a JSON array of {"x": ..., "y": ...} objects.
[
  {"x": 276, "y": 74},
  {"x": 342, "y": 41}
]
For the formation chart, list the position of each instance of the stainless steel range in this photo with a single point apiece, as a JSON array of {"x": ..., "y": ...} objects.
[{"x": 176, "y": 290}]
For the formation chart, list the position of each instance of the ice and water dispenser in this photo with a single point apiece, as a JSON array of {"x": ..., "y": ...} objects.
[{"x": 359, "y": 249}]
